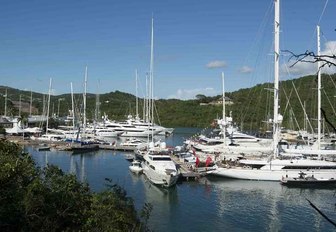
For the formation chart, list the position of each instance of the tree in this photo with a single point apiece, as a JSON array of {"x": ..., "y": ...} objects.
[
  {"x": 32, "y": 199},
  {"x": 200, "y": 96},
  {"x": 311, "y": 57}
]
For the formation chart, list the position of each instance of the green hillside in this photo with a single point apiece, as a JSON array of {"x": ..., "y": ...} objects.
[{"x": 251, "y": 109}]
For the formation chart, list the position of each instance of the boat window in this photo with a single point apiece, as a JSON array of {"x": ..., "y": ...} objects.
[
  {"x": 161, "y": 158},
  {"x": 152, "y": 167}
]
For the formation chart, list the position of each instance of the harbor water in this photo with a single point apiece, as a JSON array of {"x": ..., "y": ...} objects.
[{"x": 210, "y": 204}]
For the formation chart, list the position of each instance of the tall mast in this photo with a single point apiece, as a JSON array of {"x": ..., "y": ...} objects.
[
  {"x": 318, "y": 92},
  {"x": 276, "y": 77},
  {"x": 49, "y": 92},
  {"x": 44, "y": 105},
  {"x": 152, "y": 72},
  {"x": 72, "y": 106},
  {"x": 136, "y": 96},
  {"x": 5, "y": 104},
  {"x": 97, "y": 110},
  {"x": 20, "y": 107},
  {"x": 147, "y": 98},
  {"x": 224, "y": 117},
  {"x": 223, "y": 94},
  {"x": 84, "y": 102},
  {"x": 31, "y": 103}
]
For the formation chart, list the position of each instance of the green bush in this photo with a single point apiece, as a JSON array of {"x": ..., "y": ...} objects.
[{"x": 32, "y": 199}]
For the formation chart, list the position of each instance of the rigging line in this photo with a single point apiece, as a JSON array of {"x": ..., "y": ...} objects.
[
  {"x": 268, "y": 14},
  {"x": 257, "y": 42},
  {"x": 157, "y": 114},
  {"x": 312, "y": 40},
  {"x": 304, "y": 110},
  {"x": 287, "y": 98},
  {"x": 332, "y": 107},
  {"x": 332, "y": 81},
  {"x": 332, "y": 51},
  {"x": 288, "y": 104},
  {"x": 325, "y": 6}
]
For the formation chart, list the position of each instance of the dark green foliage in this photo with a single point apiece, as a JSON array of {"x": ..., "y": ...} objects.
[
  {"x": 56, "y": 202},
  {"x": 16, "y": 173},
  {"x": 251, "y": 106},
  {"x": 2, "y": 130},
  {"x": 112, "y": 210},
  {"x": 50, "y": 200}
]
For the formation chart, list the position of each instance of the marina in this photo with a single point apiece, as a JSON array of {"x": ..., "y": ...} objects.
[
  {"x": 265, "y": 159},
  {"x": 207, "y": 204}
]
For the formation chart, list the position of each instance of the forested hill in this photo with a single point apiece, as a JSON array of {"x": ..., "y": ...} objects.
[{"x": 251, "y": 108}]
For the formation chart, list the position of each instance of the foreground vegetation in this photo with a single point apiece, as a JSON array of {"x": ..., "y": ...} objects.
[{"x": 32, "y": 199}]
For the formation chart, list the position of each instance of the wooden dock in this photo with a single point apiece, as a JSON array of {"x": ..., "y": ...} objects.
[
  {"x": 186, "y": 170},
  {"x": 116, "y": 147}
]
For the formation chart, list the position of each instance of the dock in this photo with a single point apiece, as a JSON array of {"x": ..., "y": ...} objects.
[
  {"x": 187, "y": 171},
  {"x": 116, "y": 147}
]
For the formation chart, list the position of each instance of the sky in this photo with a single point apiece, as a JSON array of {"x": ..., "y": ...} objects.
[{"x": 194, "y": 42}]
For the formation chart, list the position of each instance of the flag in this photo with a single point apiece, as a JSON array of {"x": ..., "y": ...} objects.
[
  {"x": 197, "y": 161},
  {"x": 208, "y": 161}
]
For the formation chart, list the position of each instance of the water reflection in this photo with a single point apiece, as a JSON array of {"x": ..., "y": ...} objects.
[
  {"x": 212, "y": 204},
  {"x": 274, "y": 206}
]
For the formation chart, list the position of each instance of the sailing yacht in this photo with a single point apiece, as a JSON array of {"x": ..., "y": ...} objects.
[
  {"x": 317, "y": 148},
  {"x": 230, "y": 140},
  {"x": 275, "y": 168}
]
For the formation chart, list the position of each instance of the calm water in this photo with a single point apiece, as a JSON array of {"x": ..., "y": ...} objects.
[{"x": 212, "y": 204}]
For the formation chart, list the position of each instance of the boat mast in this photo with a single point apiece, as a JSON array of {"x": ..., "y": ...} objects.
[
  {"x": 20, "y": 107},
  {"x": 145, "y": 109},
  {"x": 84, "y": 102},
  {"x": 224, "y": 117},
  {"x": 136, "y": 96},
  {"x": 151, "y": 77},
  {"x": 276, "y": 77},
  {"x": 151, "y": 70},
  {"x": 72, "y": 106},
  {"x": 5, "y": 104},
  {"x": 318, "y": 93},
  {"x": 49, "y": 92},
  {"x": 31, "y": 103},
  {"x": 97, "y": 110}
]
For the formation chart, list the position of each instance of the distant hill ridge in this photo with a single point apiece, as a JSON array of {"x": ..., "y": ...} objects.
[{"x": 251, "y": 107}]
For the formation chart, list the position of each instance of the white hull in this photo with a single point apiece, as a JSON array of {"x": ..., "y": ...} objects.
[
  {"x": 108, "y": 134},
  {"x": 136, "y": 167},
  {"x": 138, "y": 134},
  {"x": 269, "y": 175},
  {"x": 160, "y": 170},
  {"x": 160, "y": 178},
  {"x": 309, "y": 151},
  {"x": 50, "y": 137}
]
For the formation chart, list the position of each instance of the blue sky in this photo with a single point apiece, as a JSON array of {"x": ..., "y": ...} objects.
[{"x": 194, "y": 41}]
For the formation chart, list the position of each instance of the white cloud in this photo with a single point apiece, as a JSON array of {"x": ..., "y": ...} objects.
[
  {"x": 245, "y": 69},
  {"x": 300, "y": 68},
  {"x": 304, "y": 68},
  {"x": 330, "y": 49},
  {"x": 216, "y": 64},
  {"x": 185, "y": 94}
]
